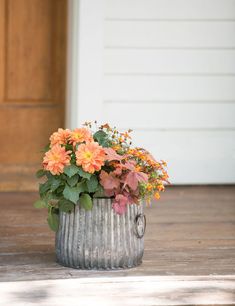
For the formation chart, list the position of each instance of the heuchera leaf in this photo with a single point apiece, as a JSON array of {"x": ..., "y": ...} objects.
[
  {"x": 134, "y": 177},
  {"x": 120, "y": 203},
  {"x": 109, "y": 181},
  {"x": 112, "y": 155},
  {"x": 86, "y": 201}
]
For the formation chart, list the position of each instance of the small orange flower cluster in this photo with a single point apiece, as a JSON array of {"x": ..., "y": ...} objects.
[
  {"x": 155, "y": 170},
  {"x": 145, "y": 162},
  {"x": 120, "y": 142}
]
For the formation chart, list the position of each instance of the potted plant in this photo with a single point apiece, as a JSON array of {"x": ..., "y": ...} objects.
[{"x": 94, "y": 186}]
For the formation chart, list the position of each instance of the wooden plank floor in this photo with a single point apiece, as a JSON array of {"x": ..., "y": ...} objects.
[{"x": 189, "y": 255}]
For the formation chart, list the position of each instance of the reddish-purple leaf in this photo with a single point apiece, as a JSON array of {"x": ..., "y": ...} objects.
[
  {"x": 134, "y": 177},
  {"x": 111, "y": 154},
  {"x": 119, "y": 204},
  {"x": 108, "y": 180}
]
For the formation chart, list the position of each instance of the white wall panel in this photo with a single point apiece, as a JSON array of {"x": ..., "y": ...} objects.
[
  {"x": 151, "y": 61},
  {"x": 199, "y": 157},
  {"x": 169, "y": 73},
  {"x": 169, "y": 88},
  {"x": 174, "y": 116},
  {"x": 170, "y": 9},
  {"x": 167, "y": 34}
]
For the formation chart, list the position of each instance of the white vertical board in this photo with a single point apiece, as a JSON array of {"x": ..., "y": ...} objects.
[{"x": 85, "y": 61}]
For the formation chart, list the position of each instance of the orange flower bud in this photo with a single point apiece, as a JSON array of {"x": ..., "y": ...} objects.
[{"x": 157, "y": 196}]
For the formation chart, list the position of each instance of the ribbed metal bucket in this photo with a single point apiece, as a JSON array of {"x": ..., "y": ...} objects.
[{"x": 100, "y": 238}]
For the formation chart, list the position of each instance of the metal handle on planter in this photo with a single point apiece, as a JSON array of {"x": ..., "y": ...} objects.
[{"x": 140, "y": 225}]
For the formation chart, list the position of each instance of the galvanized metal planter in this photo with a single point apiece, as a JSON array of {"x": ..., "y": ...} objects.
[{"x": 100, "y": 238}]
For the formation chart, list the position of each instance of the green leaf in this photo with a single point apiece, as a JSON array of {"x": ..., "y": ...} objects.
[
  {"x": 55, "y": 183},
  {"x": 100, "y": 192},
  {"x": 102, "y": 138},
  {"x": 84, "y": 174},
  {"x": 53, "y": 221},
  {"x": 71, "y": 170},
  {"x": 40, "y": 173},
  {"x": 92, "y": 184},
  {"x": 43, "y": 188},
  {"x": 69, "y": 147},
  {"x": 46, "y": 148},
  {"x": 65, "y": 205},
  {"x": 40, "y": 204},
  {"x": 60, "y": 189},
  {"x": 82, "y": 186},
  {"x": 86, "y": 201},
  {"x": 72, "y": 181},
  {"x": 72, "y": 193},
  {"x": 48, "y": 196},
  {"x": 48, "y": 174}
]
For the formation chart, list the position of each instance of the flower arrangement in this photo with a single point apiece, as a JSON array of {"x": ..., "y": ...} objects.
[{"x": 79, "y": 165}]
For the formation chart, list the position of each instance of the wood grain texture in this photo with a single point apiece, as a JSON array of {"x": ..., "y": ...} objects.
[
  {"x": 28, "y": 50},
  {"x": 34, "y": 48},
  {"x": 105, "y": 291},
  {"x": 18, "y": 177},
  {"x": 32, "y": 84},
  {"x": 191, "y": 231},
  {"x": 189, "y": 255}
]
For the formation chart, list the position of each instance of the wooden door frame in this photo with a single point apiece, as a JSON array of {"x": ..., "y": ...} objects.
[{"x": 84, "y": 61}]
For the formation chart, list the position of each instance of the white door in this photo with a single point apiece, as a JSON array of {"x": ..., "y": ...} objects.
[{"x": 169, "y": 74}]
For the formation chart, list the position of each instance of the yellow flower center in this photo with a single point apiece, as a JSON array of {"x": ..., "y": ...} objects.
[
  {"x": 87, "y": 155},
  {"x": 77, "y": 135},
  {"x": 56, "y": 157}
]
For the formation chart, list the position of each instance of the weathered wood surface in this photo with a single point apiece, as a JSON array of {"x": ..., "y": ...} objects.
[
  {"x": 189, "y": 255},
  {"x": 121, "y": 291}
]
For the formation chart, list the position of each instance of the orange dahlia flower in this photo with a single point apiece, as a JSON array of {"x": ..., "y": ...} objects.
[
  {"x": 60, "y": 137},
  {"x": 56, "y": 159},
  {"x": 80, "y": 135},
  {"x": 90, "y": 156}
]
